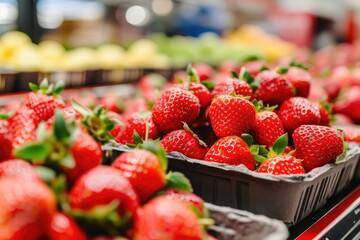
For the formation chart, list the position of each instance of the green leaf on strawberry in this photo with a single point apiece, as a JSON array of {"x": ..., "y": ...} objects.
[
  {"x": 178, "y": 181},
  {"x": 246, "y": 76},
  {"x": 209, "y": 84},
  {"x": 36, "y": 152},
  {"x": 6, "y": 115},
  {"x": 47, "y": 89},
  {"x": 247, "y": 138},
  {"x": 279, "y": 146}
]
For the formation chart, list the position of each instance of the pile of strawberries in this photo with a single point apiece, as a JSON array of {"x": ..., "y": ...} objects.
[
  {"x": 53, "y": 184},
  {"x": 259, "y": 117}
]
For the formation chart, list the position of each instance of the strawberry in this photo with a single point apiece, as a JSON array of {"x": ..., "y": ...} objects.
[
  {"x": 254, "y": 67},
  {"x": 44, "y": 100},
  {"x": 144, "y": 171},
  {"x": 112, "y": 103},
  {"x": 5, "y": 140},
  {"x": 317, "y": 145},
  {"x": 200, "y": 91},
  {"x": 134, "y": 106},
  {"x": 26, "y": 206},
  {"x": 106, "y": 187},
  {"x": 137, "y": 122},
  {"x": 187, "y": 197},
  {"x": 317, "y": 91},
  {"x": 165, "y": 219},
  {"x": 342, "y": 119},
  {"x": 150, "y": 85},
  {"x": 351, "y": 133},
  {"x": 204, "y": 71},
  {"x": 18, "y": 168},
  {"x": 349, "y": 104},
  {"x": 231, "y": 150},
  {"x": 282, "y": 165},
  {"x": 228, "y": 84},
  {"x": 63, "y": 227},
  {"x": 273, "y": 88},
  {"x": 174, "y": 107},
  {"x": 297, "y": 111},
  {"x": 184, "y": 141},
  {"x": 325, "y": 113},
  {"x": 118, "y": 127},
  {"x": 300, "y": 79},
  {"x": 231, "y": 115},
  {"x": 22, "y": 126},
  {"x": 267, "y": 128}
]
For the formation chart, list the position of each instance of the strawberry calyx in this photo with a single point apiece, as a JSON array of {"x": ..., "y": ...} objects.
[
  {"x": 259, "y": 152},
  {"x": 102, "y": 219},
  {"x": 342, "y": 157},
  {"x": 299, "y": 65},
  {"x": 282, "y": 70},
  {"x": 97, "y": 122},
  {"x": 47, "y": 89},
  {"x": 178, "y": 181},
  {"x": 187, "y": 128},
  {"x": 51, "y": 149},
  {"x": 259, "y": 106},
  {"x": 6, "y": 115},
  {"x": 279, "y": 146},
  {"x": 192, "y": 74}
]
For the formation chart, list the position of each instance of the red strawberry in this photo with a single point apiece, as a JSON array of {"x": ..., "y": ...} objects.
[
  {"x": 185, "y": 142},
  {"x": 300, "y": 79},
  {"x": 200, "y": 91},
  {"x": 267, "y": 128},
  {"x": 228, "y": 66},
  {"x": 18, "y": 168},
  {"x": 5, "y": 140},
  {"x": 204, "y": 71},
  {"x": 137, "y": 122},
  {"x": 231, "y": 115},
  {"x": 87, "y": 154},
  {"x": 22, "y": 126},
  {"x": 274, "y": 88},
  {"x": 297, "y": 111},
  {"x": 119, "y": 127},
  {"x": 101, "y": 186},
  {"x": 342, "y": 119},
  {"x": 316, "y": 145},
  {"x": 325, "y": 110},
  {"x": 317, "y": 91},
  {"x": 164, "y": 219},
  {"x": 349, "y": 104},
  {"x": 112, "y": 103},
  {"x": 351, "y": 133},
  {"x": 254, "y": 67},
  {"x": 187, "y": 197},
  {"x": 63, "y": 227},
  {"x": 134, "y": 106},
  {"x": 228, "y": 85},
  {"x": 282, "y": 165},
  {"x": 144, "y": 171},
  {"x": 26, "y": 207},
  {"x": 231, "y": 150},
  {"x": 150, "y": 85},
  {"x": 174, "y": 107}
]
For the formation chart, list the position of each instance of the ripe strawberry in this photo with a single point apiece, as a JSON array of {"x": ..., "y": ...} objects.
[
  {"x": 297, "y": 111},
  {"x": 228, "y": 85},
  {"x": 231, "y": 115},
  {"x": 174, "y": 107},
  {"x": 185, "y": 142},
  {"x": 317, "y": 91},
  {"x": 113, "y": 103},
  {"x": 200, "y": 91},
  {"x": 165, "y": 219},
  {"x": 316, "y": 145},
  {"x": 231, "y": 150},
  {"x": 119, "y": 127},
  {"x": 300, "y": 79},
  {"x": 274, "y": 88},
  {"x": 325, "y": 111},
  {"x": 18, "y": 168},
  {"x": 63, "y": 227},
  {"x": 143, "y": 170},
  {"x": 22, "y": 126},
  {"x": 137, "y": 122},
  {"x": 134, "y": 106},
  {"x": 342, "y": 119},
  {"x": 26, "y": 207},
  {"x": 150, "y": 85},
  {"x": 187, "y": 197},
  {"x": 254, "y": 67},
  {"x": 349, "y": 104},
  {"x": 267, "y": 128},
  {"x": 5, "y": 140},
  {"x": 204, "y": 71},
  {"x": 351, "y": 133},
  {"x": 282, "y": 165},
  {"x": 103, "y": 185}
]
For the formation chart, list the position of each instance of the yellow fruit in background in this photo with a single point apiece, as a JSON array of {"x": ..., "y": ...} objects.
[
  {"x": 110, "y": 56},
  {"x": 80, "y": 59},
  {"x": 26, "y": 58},
  {"x": 143, "y": 47},
  {"x": 11, "y": 42},
  {"x": 53, "y": 55}
]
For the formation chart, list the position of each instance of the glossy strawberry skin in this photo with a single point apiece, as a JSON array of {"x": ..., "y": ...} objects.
[
  {"x": 200, "y": 91},
  {"x": 100, "y": 186},
  {"x": 86, "y": 153},
  {"x": 351, "y": 102},
  {"x": 228, "y": 84},
  {"x": 231, "y": 150},
  {"x": 22, "y": 126},
  {"x": 231, "y": 115},
  {"x": 267, "y": 129},
  {"x": 282, "y": 165},
  {"x": 297, "y": 111},
  {"x": 63, "y": 227},
  {"x": 5, "y": 140},
  {"x": 300, "y": 79},
  {"x": 174, "y": 107},
  {"x": 143, "y": 170},
  {"x": 164, "y": 219},
  {"x": 26, "y": 206},
  {"x": 187, "y": 197},
  {"x": 324, "y": 115},
  {"x": 18, "y": 168},
  {"x": 43, "y": 105},
  {"x": 184, "y": 142},
  {"x": 316, "y": 145},
  {"x": 274, "y": 88},
  {"x": 137, "y": 123}
]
